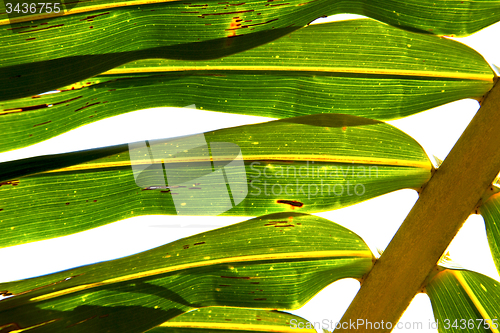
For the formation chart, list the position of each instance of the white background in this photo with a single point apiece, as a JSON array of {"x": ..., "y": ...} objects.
[{"x": 376, "y": 220}]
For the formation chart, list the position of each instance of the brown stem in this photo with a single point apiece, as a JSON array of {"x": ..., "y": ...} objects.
[{"x": 443, "y": 206}]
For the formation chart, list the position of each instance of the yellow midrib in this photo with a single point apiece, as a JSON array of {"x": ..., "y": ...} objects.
[
  {"x": 238, "y": 327},
  {"x": 351, "y": 70},
  {"x": 276, "y": 157},
  {"x": 208, "y": 262}
]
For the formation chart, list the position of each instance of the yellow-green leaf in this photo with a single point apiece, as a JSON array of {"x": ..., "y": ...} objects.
[
  {"x": 304, "y": 164},
  {"x": 98, "y": 35},
  {"x": 232, "y": 320},
  {"x": 490, "y": 211},
  {"x": 464, "y": 301},
  {"x": 359, "y": 67},
  {"x": 277, "y": 261}
]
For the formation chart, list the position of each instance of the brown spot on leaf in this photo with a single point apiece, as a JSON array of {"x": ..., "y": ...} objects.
[
  {"x": 42, "y": 123},
  {"x": 292, "y": 203},
  {"x": 199, "y": 243},
  {"x": 86, "y": 106},
  {"x": 26, "y": 108},
  {"x": 68, "y": 100},
  {"x": 232, "y": 27},
  {"x": 10, "y": 182},
  {"x": 92, "y": 17}
]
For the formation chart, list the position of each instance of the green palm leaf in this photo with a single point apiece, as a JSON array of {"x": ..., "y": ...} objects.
[
  {"x": 313, "y": 70},
  {"x": 262, "y": 263},
  {"x": 490, "y": 211},
  {"x": 306, "y": 164},
  {"x": 229, "y": 320},
  {"x": 464, "y": 301},
  {"x": 60, "y": 49}
]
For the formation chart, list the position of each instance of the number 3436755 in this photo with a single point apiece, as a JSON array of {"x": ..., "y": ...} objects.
[{"x": 32, "y": 8}]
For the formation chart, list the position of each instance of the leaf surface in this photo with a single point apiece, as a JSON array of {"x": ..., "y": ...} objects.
[
  {"x": 225, "y": 319},
  {"x": 490, "y": 211},
  {"x": 95, "y": 36},
  {"x": 465, "y": 301},
  {"x": 303, "y": 164},
  {"x": 259, "y": 263},
  {"x": 359, "y": 67}
]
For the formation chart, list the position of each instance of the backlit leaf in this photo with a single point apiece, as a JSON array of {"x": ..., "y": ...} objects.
[
  {"x": 464, "y": 301},
  {"x": 229, "y": 320},
  {"x": 95, "y": 36},
  {"x": 304, "y": 164},
  {"x": 490, "y": 211},
  {"x": 278, "y": 261},
  {"x": 358, "y": 67}
]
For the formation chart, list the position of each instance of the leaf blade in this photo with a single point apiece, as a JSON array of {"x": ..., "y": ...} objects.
[
  {"x": 459, "y": 296},
  {"x": 278, "y": 282},
  {"x": 207, "y": 30},
  {"x": 235, "y": 320},
  {"x": 490, "y": 211},
  {"x": 313, "y": 70},
  {"x": 304, "y": 164}
]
